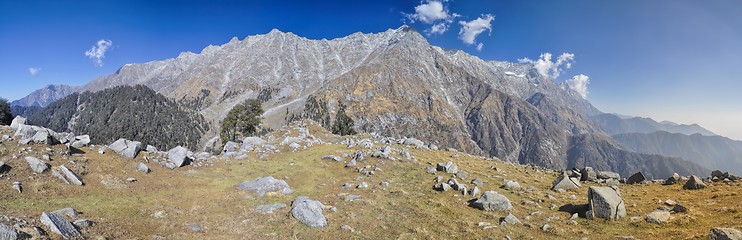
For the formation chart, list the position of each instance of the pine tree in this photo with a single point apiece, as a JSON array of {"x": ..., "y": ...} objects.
[
  {"x": 242, "y": 120},
  {"x": 6, "y": 117},
  {"x": 343, "y": 123}
]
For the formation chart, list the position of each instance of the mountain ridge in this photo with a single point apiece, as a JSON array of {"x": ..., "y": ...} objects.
[{"x": 392, "y": 82}]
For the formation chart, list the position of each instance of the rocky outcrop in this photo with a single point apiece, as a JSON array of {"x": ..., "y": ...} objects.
[{"x": 8, "y": 232}]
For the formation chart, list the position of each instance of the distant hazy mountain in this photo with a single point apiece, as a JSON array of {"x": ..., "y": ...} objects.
[
  {"x": 713, "y": 152},
  {"x": 394, "y": 83},
  {"x": 601, "y": 152},
  {"x": 135, "y": 113},
  {"x": 614, "y": 124},
  {"x": 45, "y": 96}
]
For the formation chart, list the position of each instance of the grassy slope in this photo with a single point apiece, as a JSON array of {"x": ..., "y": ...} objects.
[{"x": 407, "y": 209}]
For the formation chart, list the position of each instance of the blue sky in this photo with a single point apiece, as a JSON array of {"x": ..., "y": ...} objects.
[{"x": 675, "y": 60}]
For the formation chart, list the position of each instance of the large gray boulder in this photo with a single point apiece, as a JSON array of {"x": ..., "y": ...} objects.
[
  {"x": 71, "y": 177},
  {"x": 17, "y": 121},
  {"x": 8, "y": 232},
  {"x": 636, "y": 178},
  {"x": 588, "y": 174},
  {"x": 492, "y": 201},
  {"x": 608, "y": 175},
  {"x": 126, "y": 148},
  {"x": 264, "y": 185},
  {"x": 605, "y": 203},
  {"x": 81, "y": 141},
  {"x": 693, "y": 183},
  {"x": 57, "y": 224},
  {"x": 178, "y": 156},
  {"x": 308, "y": 212},
  {"x": 725, "y": 234},
  {"x": 37, "y": 165},
  {"x": 564, "y": 182},
  {"x": 448, "y": 167}
]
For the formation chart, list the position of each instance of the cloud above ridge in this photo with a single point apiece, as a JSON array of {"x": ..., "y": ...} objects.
[{"x": 98, "y": 52}]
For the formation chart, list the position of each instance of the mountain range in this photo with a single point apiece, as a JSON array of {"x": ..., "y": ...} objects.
[{"x": 395, "y": 83}]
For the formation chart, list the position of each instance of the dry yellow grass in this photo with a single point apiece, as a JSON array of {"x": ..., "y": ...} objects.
[{"x": 166, "y": 202}]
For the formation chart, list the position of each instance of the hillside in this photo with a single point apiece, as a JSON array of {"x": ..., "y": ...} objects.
[
  {"x": 201, "y": 201},
  {"x": 714, "y": 152},
  {"x": 613, "y": 124},
  {"x": 132, "y": 112},
  {"x": 602, "y": 152}
]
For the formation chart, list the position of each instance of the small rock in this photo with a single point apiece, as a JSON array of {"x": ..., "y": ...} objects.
[
  {"x": 448, "y": 167},
  {"x": 269, "y": 208},
  {"x": 17, "y": 186},
  {"x": 564, "y": 182},
  {"x": 384, "y": 184},
  {"x": 510, "y": 219},
  {"x": 143, "y": 168},
  {"x": 347, "y": 228},
  {"x": 510, "y": 185},
  {"x": 672, "y": 179},
  {"x": 131, "y": 179},
  {"x": 195, "y": 228},
  {"x": 362, "y": 185},
  {"x": 679, "y": 208},
  {"x": 670, "y": 202},
  {"x": 461, "y": 175},
  {"x": 82, "y": 223},
  {"x": 477, "y": 182},
  {"x": 658, "y": 217},
  {"x": 70, "y": 212},
  {"x": 352, "y": 197}
]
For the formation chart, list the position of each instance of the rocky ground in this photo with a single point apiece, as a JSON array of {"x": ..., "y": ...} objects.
[{"x": 301, "y": 182}]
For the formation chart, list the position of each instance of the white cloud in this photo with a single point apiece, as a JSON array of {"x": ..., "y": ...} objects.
[
  {"x": 438, "y": 28},
  {"x": 470, "y": 30},
  {"x": 480, "y": 46},
  {"x": 547, "y": 68},
  {"x": 34, "y": 71},
  {"x": 429, "y": 12},
  {"x": 98, "y": 51},
  {"x": 434, "y": 13},
  {"x": 579, "y": 84}
]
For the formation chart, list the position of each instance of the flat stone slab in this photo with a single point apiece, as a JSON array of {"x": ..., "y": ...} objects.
[
  {"x": 269, "y": 208},
  {"x": 57, "y": 224},
  {"x": 264, "y": 185}
]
